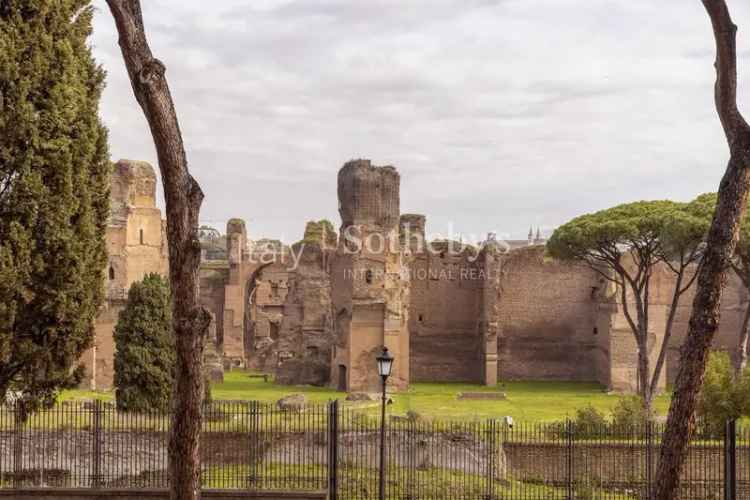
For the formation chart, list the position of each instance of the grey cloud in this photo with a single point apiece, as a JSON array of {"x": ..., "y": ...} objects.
[{"x": 498, "y": 114}]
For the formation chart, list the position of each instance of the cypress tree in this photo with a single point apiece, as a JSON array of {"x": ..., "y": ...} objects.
[
  {"x": 144, "y": 343},
  {"x": 54, "y": 199}
]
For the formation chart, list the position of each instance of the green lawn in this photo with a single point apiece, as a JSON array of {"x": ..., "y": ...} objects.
[
  {"x": 434, "y": 483},
  {"x": 526, "y": 401}
]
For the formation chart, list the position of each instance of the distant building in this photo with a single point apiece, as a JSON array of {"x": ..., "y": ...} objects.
[
  {"x": 319, "y": 311},
  {"x": 136, "y": 246}
]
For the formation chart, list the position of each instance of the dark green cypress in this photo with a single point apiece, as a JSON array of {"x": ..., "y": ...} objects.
[
  {"x": 54, "y": 195},
  {"x": 144, "y": 347}
]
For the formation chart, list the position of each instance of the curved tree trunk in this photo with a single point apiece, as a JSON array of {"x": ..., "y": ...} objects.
[
  {"x": 183, "y": 199},
  {"x": 720, "y": 243},
  {"x": 667, "y": 333},
  {"x": 742, "y": 344},
  {"x": 644, "y": 368},
  {"x": 704, "y": 321}
]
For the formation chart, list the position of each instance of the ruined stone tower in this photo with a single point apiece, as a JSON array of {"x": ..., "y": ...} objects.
[
  {"x": 371, "y": 286},
  {"x": 234, "y": 307},
  {"x": 136, "y": 246}
]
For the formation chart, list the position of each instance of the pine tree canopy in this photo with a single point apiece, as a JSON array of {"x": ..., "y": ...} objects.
[{"x": 54, "y": 195}]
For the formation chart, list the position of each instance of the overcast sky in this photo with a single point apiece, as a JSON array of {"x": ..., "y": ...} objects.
[{"x": 499, "y": 114}]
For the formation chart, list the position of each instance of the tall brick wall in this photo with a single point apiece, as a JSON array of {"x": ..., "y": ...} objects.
[
  {"x": 734, "y": 300},
  {"x": 444, "y": 309},
  {"x": 548, "y": 312}
]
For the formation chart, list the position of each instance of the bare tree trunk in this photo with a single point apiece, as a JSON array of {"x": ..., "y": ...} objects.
[
  {"x": 639, "y": 328},
  {"x": 643, "y": 358},
  {"x": 720, "y": 243},
  {"x": 667, "y": 333},
  {"x": 183, "y": 199},
  {"x": 742, "y": 345},
  {"x": 643, "y": 373}
]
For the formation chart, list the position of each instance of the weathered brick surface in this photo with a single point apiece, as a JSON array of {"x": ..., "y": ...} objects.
[
  {"x": 444, "y": 309},
  {"x": 453, "y": 315},
  {"x": 548, "y": 311}
]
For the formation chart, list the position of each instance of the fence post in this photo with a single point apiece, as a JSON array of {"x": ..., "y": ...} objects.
[
  {"x": 730, "y": 460},
  {"x": 96, "y": 476},
  {"x": 333, "y": 449},
  {"x": 17, "y": 444},
  {"x": 649, "y": 458},
  {"x": 255, "y": 445},
  {"x": 569, "y": 459},
  {"x": 491, "y": 460},
  {"x": 411, "y": 466}
]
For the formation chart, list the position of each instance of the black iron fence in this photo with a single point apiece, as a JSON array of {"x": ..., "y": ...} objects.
[{"x": 255, "y": 446}]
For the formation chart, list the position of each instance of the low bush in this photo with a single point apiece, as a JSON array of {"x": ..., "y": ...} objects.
[
  {"x": 588, "y": 422},
  {"x": 724, "y": 396},
  {"x": 630, "y": 416}
]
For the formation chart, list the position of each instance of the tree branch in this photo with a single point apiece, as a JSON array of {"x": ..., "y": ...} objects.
[
  {"x": 725, "y": 89},
  {"x": 668, "y": 330}
]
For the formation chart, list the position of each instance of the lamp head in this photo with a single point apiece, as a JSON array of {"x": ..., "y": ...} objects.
[{"x": 385, "y": 363}]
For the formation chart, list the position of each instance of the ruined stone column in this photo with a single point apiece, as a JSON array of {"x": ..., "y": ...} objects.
[
  {"x": 490, "y": 264},
  {"x": 371, "y": 304},
  {"x": 234, "y": 293}
]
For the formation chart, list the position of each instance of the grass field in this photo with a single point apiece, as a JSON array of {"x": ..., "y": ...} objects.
[
  {"x": 526, "y": 401},
  {"x": 358, "y": 483}
]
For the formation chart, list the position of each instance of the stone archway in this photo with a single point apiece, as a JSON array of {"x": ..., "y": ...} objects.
[{"x": 264, "y": 301}]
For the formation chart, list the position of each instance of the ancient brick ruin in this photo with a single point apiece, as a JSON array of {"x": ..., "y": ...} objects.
[
  {"x": 136, "y": 246},
  {"x": 318, "y": 311}
]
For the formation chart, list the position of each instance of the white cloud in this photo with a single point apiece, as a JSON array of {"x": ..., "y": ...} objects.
[{"x": 498, "y": 114}]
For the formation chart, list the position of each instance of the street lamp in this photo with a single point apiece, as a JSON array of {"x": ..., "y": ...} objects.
[{"x": 385, "y": 364}]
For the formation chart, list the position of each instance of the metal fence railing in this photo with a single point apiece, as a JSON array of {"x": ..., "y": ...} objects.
[
  {"x": 257, "y": 446},
  {"x": 244, "y": 445}
]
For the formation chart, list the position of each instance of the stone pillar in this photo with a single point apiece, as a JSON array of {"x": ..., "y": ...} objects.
[
  {"x": 490, "y": 265},
  {"x": 372, "y": 278},
  {"x": 234, "y": 293}
]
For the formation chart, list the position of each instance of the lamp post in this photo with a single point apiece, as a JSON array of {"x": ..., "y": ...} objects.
[{"x": 385, "y": 364}]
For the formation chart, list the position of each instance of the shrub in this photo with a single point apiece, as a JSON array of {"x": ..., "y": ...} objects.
[
  {"x": 588, "y": 422},
  {"x": 724, "y": 395},
  {"x": 630, "y": 416},
  {"x": 145, "y": 352}
]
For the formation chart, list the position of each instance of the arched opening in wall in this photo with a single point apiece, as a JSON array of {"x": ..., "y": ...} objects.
[
  {"x": 273, "y": 331},
  {"x": 140, "y": 235},
  {"x": 111, "y": 273},
  {"x": 250, "y": 329}
]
